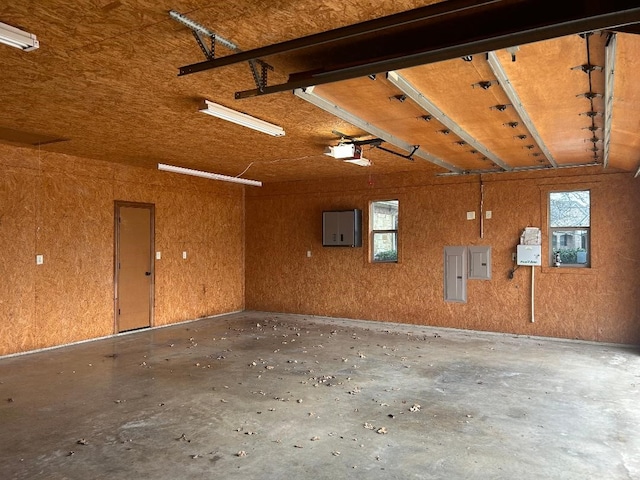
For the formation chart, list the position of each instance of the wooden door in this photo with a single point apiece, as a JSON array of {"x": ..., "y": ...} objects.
[{"x": 134, "y": 283}]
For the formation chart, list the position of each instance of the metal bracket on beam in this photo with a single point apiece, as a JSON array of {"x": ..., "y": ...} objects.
[
  {"x": 311, "y": 97},
  {"x": 210, "y": 53},
  {"x": 258, "y": 67},
  {"x": 408, "y": 89},
  {"x": 260, "y": 77},
  {"x": 514, "y": 98},
  {"x": 201, "y": 29}
]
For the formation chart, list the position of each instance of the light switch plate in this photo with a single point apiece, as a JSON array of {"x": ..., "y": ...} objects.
[
  {"x": 488, "y": 214},
  {"x": 158, "y": 255},
  {"x": 471, "y": 215},
  {"x": 39, "y": 259}
]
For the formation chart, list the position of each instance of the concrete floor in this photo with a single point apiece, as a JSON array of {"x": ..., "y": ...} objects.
[{"x": 264, "y": 396}]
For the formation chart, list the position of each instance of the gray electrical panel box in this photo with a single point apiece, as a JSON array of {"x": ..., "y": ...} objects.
[
  {"x": 342, "y": 228},
  {"x": 455, "y": 274},
  {"x": 479, "y": 263}
]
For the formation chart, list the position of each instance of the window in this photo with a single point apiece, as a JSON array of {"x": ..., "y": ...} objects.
[
  {"x": 384, "y": 231},
  {"x": 569, "y": 228}
]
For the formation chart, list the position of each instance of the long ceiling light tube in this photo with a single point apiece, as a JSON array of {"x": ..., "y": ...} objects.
[
  {"x": 609, "y": 76},
  {"x": 310, "y": 96},
  {"x": 408, "y": 89},
  {"x": 220, "y": 111},
  {"x": 514, "y": 98},
  {"x": 211, "y": 176},
  {"x": 14, "y": 37}
]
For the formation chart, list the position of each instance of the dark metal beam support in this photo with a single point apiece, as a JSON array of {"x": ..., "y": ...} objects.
[
  {"x": 344, "y": 33},
  {"x": 497, "y": 25}
]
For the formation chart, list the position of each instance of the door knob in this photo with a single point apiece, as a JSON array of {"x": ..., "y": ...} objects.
[{"x": 147, "y": 274}]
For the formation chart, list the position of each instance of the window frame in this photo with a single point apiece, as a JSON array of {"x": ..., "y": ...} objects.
[
  {"x": 373, "y": 232},
  {"x": 569, "y": 229}
]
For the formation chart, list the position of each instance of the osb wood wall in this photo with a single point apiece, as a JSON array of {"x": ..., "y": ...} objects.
[
  {"x": 63, "y": 207},
  {"x": 284, "y": 222}
]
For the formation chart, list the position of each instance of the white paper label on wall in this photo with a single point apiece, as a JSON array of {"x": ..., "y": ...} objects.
[{"x": 531, "y": 236}]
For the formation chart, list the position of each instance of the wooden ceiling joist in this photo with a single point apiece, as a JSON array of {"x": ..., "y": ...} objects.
[
  {"x": 399, "y": 81},
  {"x": 504, "y": 82},
  {"x": 310, "y": 96}
]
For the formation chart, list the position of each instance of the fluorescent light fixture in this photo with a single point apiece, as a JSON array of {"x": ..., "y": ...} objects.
[
  {"x": 212, "y": 176},
  {"x": 240, "y": 118},
  {"x": 17, "y": 38}
]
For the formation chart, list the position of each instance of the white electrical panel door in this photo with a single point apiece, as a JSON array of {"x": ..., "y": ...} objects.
[
  {"x": 529, "y": 255},
  {"x": 479, "y": 263},
  {"x": 455, "y": 274}
]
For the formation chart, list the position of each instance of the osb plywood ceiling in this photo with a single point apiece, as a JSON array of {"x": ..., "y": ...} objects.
[{"x": 104, "y": 85}]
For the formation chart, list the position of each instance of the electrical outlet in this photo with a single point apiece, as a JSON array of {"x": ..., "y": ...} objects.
[
  {"x": 158, "y": 255},
  {"x": 184, "y": 255},
  {"x": 39, "y": 259},
  {"x": 308, "y": 253},
  {"x": 471, "y": 215},
  {"x": 488, "y": 214}
]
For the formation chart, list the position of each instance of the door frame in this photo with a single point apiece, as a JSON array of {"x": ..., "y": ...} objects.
[{"x": 116, "y": 257}]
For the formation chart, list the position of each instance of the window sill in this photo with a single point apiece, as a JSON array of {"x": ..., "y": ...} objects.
[{"x": 569, "y": 270}]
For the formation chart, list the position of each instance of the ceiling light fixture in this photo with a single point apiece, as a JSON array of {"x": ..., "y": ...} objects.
[
  {"x": 14, "y": 37},
  {"x": 211, "y": 176},
  {"x": 219, "y": 111}
]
